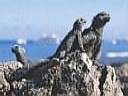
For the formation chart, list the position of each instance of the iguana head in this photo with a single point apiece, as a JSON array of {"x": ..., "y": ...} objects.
[
  {"x": 17, "y": 49},
  {"x": 79, "y": 23},
  {"x": 100, "y": 19}
]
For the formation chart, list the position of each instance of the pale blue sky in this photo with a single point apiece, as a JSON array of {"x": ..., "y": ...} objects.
[{"x": 30, "y": 19}]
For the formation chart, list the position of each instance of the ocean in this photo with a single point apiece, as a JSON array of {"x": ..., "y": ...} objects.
[
  {"x": 115, "y": 51},
  {"x": 34, "y": 49}
]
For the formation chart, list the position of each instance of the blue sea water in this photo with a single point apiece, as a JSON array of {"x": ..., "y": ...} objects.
[
  {"x": 40, "y": 49},
  {"x": 35, "y": 50},
  {"x": 119, "y": 46}
]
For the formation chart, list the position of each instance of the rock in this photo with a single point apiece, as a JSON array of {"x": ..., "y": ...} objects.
[
  {"x": 122, "y": 74},
  {"x": 6, "y": 68},
  {"x": 74, "y": 75},
  {"x": 4, "y": 85}
]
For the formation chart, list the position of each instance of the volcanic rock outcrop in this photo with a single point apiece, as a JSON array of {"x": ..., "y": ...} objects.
[
  {"x": 74, "y": 75},
  {"x": 122, "y": 75}
]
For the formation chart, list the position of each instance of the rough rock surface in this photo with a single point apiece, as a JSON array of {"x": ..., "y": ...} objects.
[
  {"x": 74, "y": 75},
  {"x": 6, "y": 69},
  {"x": 122, "y": 74}
]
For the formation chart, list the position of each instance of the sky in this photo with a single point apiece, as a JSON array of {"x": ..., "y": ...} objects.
[{"x": 33, "y": 19}]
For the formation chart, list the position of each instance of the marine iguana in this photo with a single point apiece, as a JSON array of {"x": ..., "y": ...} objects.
[
  {"x": 72, "y": 41},
  {"x": 92, "y": 36},
  {"x": 20, "y": 54}
]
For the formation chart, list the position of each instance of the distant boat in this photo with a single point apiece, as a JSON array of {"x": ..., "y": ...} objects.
[
  {"x": 114, "y": 42},
  {"x": 21, "y": 41},
  {"x": 117, "y": 54},
  {"x": 50, "y": 39}
]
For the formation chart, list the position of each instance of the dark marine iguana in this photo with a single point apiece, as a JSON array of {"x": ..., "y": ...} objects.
[
  {"x": 92, "y": 36},
  {"x": 20, "y": 54},
  {"x": 72, "y": 41}
]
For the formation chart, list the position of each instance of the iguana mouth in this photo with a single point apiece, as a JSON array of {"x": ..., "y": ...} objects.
[{"x": 106, "y": 18}]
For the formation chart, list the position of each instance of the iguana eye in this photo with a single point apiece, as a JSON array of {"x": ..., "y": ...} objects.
[
  {"x": 16, "y": 47},
  {"x": 102, "y": 14},
  {"x": 81, "y": 19}
]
